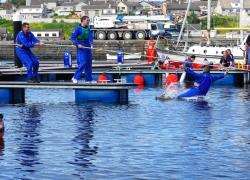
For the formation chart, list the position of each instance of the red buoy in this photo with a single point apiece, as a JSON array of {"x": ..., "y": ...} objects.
[
  {"x": 171, "y": 78},
  {"x": 102, "y": 78},
  {"x": 196, "y": 66},
  {"x": 139, "y": 79}
]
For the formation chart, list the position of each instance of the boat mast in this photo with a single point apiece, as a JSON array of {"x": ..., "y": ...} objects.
[
  {"x": 183, "y": 23},
  {"x": 241, "y": 19},
  {"x": 208, "y": 21}
]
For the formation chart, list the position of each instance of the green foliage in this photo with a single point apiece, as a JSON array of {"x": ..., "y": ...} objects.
[
  {"x": 66, "y": 28},
  {"x": 193, "y": 18},
  {"x": 18, "y": 2},
  {"x": 7, "y": 24},
  {"x": 218, "y": 21}
]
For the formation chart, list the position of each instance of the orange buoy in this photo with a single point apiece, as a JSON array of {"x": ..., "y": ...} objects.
[
  {"x": 139, "y": 79},
  {"x": 171, "y": 78},
  {"x": 196, "y": 66},
  {"x": 102, "y": 78}
]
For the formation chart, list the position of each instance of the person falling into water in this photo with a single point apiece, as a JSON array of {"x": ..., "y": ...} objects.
[{"x": 203, "y": 82}]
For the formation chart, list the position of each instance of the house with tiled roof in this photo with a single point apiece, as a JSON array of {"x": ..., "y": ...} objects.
[
  {"x": 98, "y": 8},
  {"x": 229, "y": 7}
]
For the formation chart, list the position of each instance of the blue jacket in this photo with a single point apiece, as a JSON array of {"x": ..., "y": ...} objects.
[
  {"x": 82, "y": 35},
  {"x": 27, "y": 40},
  {"x": 204, "y": 80}
]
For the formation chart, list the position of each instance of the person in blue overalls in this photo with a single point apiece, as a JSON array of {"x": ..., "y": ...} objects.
[
  {"x": 82, "y": 38},
  {"x": 26, "y": 40},
  {"x": 204, "y": 81}
]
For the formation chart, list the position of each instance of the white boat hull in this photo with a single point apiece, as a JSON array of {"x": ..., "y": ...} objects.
[
  {"x": 180, "y": 56},
  {"x": 126, "y": 56}
]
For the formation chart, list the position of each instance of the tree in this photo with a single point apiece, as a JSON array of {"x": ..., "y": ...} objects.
[
  {"x": 18, "y": 2},
  {"x": 193, "y": 19}
]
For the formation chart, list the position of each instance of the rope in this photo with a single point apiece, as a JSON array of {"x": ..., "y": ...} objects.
[{"x": 239, "y": 66}]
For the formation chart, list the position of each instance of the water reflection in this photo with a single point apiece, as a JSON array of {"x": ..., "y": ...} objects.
[
  {"x": 84, "y": 134},
  {"x": 139, "y": 89},
  {"x": 29, "y": 137}
]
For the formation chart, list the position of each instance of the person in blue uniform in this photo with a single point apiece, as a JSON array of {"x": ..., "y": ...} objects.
[
  {"x": 204, "y": 81},
  {"x": 26, "y": 40},
  {"x": 82, "y": 38}
]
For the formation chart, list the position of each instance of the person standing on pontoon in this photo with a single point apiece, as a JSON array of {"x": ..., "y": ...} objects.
[
  {"x": 82, "y": 37},
  {"x": 25, "y": 41}
]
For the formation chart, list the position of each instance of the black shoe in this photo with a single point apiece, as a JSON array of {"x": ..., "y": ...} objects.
[
  {"x": 31, "y": 80},
  {"x": 36, "y": 80}
]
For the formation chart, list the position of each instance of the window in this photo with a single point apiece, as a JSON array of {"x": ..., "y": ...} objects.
[
  {"x": 153, "y": 27},
  {"x": 46, "y": 34},
  {"x": 38, "y": 35},
  {"x": 54, "y": 34}
]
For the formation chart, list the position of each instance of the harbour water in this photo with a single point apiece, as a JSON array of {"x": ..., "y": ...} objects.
[{"x": 51, "y": 137}]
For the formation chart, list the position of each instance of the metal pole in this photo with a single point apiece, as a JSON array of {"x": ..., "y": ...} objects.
[
  {"x": 208, "y": 21},
  {"x": 17, "y": 26},
  {"x": 241, "y": 20},
  {"x": 183, "y": 23}
]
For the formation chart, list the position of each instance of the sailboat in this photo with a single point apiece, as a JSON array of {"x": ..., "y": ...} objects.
[{"x": 211, "y": 53}]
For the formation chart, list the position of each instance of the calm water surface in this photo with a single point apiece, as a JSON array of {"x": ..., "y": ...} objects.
[{"x": 52, "y": 138}]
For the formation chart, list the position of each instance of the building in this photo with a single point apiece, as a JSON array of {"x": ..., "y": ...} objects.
[
  {"x": 6, "y": 14},
  {"x": 6, "y": 10},
  {"x": 128, "y": 7},
  {"x": 31, "y": 12},
  {"x": 52, "y": 34},
  {"x": 65, "y": 9},
  {"x": 229, "y": 7}
]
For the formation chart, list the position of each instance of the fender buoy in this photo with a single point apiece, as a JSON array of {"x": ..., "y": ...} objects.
[
  {"x": 197, "y": 66},
  {"x": 139, "y": 79},
  {"x": 171, "y": 78},
  {"x": 102, "y": 78}
]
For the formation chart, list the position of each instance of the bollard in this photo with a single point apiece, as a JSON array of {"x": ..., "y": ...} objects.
[
  {"x": 120, "y": 57},
  {"x": 67, "y": 61}
]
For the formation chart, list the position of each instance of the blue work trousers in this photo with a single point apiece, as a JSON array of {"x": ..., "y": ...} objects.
[
  {"x": 30, "y": 61},
  {"x": 84, "y": 62},
  {"x": 194, "y": 91}
]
